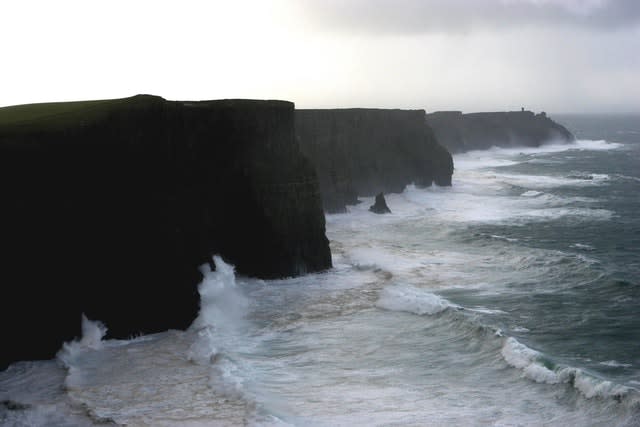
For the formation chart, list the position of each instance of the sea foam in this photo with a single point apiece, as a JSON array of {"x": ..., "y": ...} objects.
[
  {"x": 410, "y": 299},
  {"x": 92, "y": 334},
  {"x": 222, "y": 310}
]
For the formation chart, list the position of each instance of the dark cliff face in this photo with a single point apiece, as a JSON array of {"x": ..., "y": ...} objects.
[
  {"x": 110, "y": 207},
  {"x": 362, "y": 152},
  {"x": 478, "y": 131}
]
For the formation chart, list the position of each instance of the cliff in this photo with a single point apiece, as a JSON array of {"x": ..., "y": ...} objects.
[
  {"x": 362, "y": 152},
  {"x": 478, "y": 131},
  {"x": 109, "y": 207}
]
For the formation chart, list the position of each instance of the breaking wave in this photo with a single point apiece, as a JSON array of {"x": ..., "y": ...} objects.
[
  {"x": 534, "y": 365},
  {"x": 412, "y": 300}
]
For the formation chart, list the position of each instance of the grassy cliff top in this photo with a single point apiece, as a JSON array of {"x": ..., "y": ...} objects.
[
  {"x": 59, "y": 115},
  {"x": 63, "y": 115}
]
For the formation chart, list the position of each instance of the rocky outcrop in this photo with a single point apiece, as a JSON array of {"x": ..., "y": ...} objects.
[
  {"x": 380, "y": 205},
  {"x": 361, "y": 152},
  {"x": 109, "y": 207},
  {"x": 478, "y": 131}
]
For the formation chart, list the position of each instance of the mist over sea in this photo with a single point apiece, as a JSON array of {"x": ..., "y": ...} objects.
[{"x": 508, "y": 299}]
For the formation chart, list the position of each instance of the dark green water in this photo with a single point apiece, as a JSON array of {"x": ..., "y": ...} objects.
[{"x": 581, "y": 304}]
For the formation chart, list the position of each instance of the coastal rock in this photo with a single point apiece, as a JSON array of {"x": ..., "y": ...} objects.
[
  {"x": 380, "y": 205},
  {"x": 109, "y": 208},
  {"x": 359, "y": 152},
  {"x": 479, "y": 131}
]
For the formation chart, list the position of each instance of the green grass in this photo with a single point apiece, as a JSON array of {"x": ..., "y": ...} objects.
[{"x": 60, "y": 115}]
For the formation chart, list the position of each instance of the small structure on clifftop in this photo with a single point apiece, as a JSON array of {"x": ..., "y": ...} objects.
[{"x": 380, "y": 206}]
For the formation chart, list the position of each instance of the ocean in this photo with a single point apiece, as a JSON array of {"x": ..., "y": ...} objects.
[{"x": 508, "y": 299}]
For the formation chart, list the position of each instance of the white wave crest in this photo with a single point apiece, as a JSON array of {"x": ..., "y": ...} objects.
[
  {"x": 588, "y": 176},
  {"x": 592, "y": 387},
  {"x": 531, "y": 193},
  {"x": 497, "y": 156},
  {"x": 517, "y": 354},
  {"x": 528, "y": 360},
  {"x": 627, "y": 177},
  {"x": 412, "y": 300},
  {"x": 582, "y": 246},
  {"x": 595, "y": 145},
  {"x": 541, "y": 374},
  {"x": 371, "y": 258},
  {"x": 522, "y": 357},
  {"x": 547, "y": 181},
  {"x": 616, "y": 364}
]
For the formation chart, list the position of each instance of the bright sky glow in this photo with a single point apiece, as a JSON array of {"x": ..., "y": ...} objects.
[{"x": 475, "y": 55}]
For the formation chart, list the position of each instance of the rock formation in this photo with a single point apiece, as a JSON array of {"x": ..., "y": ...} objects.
[
  {"x": 361, "y": 152},
  {"x": 380, "y": 205},
  {"x": 478, "y": 131},
  {"x": 109, "y": 207}
]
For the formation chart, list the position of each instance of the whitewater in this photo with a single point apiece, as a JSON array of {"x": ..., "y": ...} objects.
[{"x": 508, "y": 299}]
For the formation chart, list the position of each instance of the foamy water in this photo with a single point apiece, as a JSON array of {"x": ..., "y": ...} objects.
[{"x": 488, "y": 304}]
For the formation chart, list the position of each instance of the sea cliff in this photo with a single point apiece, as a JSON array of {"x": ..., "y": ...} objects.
[
  {"x": 479, "y": 131},
  {"x": 109, "y": 207},
  {"x": 362, "y": 152}
]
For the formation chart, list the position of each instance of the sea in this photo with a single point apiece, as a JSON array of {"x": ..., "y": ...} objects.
[{"x": 511, "y": 298}]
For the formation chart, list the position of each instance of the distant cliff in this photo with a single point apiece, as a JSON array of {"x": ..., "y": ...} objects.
[
  {"x": 478, "y": 131},
  {"x": 109, "y": 207},
  {"x": 362, "y": 152}
]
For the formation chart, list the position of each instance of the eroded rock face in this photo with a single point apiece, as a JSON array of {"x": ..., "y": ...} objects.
[
  {"x": 110, "y": 207},
  {"x": 380, "y": 205},
  {"x": 479, "y": 131},
  {"x": 361, "y": 152}
]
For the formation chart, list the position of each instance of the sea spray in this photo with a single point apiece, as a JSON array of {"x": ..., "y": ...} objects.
[
  {"x": 222, "y": 310},
  {"x": 71, "y": 352},
  {"x": 221, "y": 340},
  {"x": 222, "y": 305},
  {"x": 91, "y": 339}
]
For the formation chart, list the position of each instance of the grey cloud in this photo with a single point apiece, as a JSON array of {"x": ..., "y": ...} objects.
[{"x": 423, "y": 16}]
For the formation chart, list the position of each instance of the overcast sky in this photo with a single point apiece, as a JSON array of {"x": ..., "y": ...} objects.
[{"x": 470, "y": 55}]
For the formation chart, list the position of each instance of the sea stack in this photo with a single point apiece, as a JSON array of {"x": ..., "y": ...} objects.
[
  {"x": 110, "y": 207},
  {"x": 361, "y": 152},
  {"x": 380, "y": 205}
]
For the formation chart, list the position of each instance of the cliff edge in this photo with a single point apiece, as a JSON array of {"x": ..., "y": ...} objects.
[
  {"x": 479, "y": 131},
  {"x": 109, "y": 207},
  {"x": 362, "y": 152}
]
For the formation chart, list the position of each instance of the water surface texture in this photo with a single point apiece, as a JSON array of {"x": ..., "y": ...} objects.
[{"x": 508, "y": 299}]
